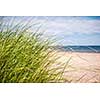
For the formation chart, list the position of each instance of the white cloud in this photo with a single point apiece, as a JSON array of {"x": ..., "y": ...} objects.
[
  {"x": 62, "y": 28},
  {"x": 65, "y": 25},
  {"x": 65, "y": 29},
  {"x": 72, "y": 25}
]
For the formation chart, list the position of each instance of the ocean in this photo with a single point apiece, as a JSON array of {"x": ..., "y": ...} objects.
[{"x": 92, "y": 49}]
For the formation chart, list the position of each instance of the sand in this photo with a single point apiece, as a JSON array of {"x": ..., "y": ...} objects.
[{"x": 82, "y": 67}]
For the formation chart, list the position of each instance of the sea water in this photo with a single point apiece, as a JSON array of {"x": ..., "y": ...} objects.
[{"x": 94, "y": 49}]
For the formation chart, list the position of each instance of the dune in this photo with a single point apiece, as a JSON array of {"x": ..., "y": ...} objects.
[{"x": 82, "y": 67}]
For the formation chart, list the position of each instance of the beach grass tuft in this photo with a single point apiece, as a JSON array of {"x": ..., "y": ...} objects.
[{"x": 24, "y": 56}]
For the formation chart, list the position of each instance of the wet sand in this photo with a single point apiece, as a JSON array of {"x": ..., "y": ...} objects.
[{"x": 82, "y": 67}]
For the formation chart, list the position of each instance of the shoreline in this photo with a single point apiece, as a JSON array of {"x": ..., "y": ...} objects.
[{"x": 76, "y": 51}]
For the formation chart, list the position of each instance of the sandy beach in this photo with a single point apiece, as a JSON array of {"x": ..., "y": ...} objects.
[{"x": 82, "y": 67}]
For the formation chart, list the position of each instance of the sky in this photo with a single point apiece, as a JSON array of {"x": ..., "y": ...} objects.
[
  {"x": 73, "y": 30},
  {"x": 70, "y": 30}
]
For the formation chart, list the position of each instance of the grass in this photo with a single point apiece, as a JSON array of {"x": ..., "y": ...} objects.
[{"x": 24, "y": 57}]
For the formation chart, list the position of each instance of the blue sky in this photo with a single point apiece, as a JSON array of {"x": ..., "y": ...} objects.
[{"x": 71, "y": 30}]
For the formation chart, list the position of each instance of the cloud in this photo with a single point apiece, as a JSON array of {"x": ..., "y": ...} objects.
[
  {"x": 68, "y": 30},
  {"x": 73, "y": 30},
  {"x": 73, "y": 25},
  {"x": 65, "y": 25}
]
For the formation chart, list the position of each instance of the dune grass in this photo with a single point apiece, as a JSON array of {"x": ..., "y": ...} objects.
[{"x": 24, "y": 57}]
